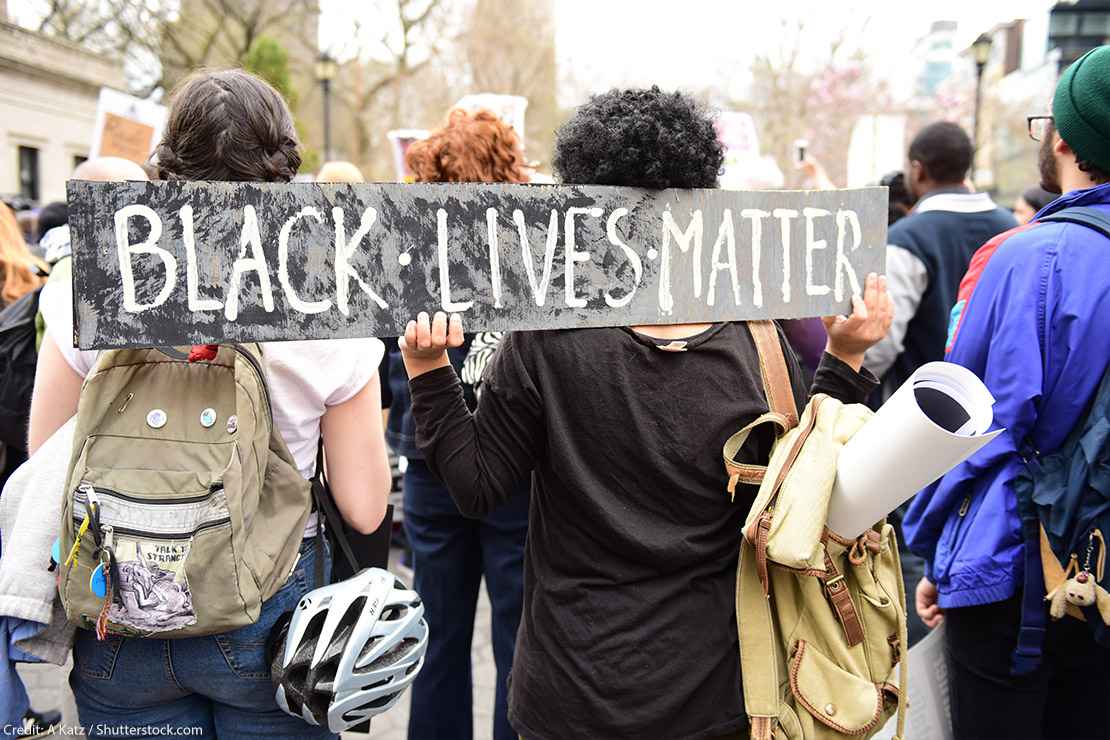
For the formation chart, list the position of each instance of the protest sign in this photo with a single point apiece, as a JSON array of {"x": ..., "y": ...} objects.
[
  {"x": 400, "y": 140},
  {"x": 126, "y": 126},
  {"x": 172, "y": 263},
  {"x": 509, "y": 108}
]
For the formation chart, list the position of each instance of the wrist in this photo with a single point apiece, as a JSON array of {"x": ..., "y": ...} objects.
[
  {"x": 417, "y": 366},
  {"x": 853, "y": 360}
]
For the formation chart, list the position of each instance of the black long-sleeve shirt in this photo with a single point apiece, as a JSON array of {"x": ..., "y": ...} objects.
[{"x": 629, "y": 624}]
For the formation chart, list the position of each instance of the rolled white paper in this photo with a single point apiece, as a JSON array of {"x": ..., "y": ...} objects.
[{"x": 935, "y": 421}]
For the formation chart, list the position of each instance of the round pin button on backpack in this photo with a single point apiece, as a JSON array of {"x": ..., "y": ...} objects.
[
  {"x": 208, "y": 418},
  {"x": 156, "y": 419}
]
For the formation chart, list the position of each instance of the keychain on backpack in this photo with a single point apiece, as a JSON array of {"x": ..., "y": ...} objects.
[
  {"x": 1082, "y": 589},
  {"x": 77, "y": 540},
  {"x": 101, "y": 584}
]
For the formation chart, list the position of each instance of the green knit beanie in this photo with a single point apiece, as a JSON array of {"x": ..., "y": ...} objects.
[{"x": 1081, "y": 107}]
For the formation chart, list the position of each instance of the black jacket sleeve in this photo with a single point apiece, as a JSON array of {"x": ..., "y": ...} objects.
[
  {"x": 482, "y": 457},
  {"x": 837, "y": 379}
]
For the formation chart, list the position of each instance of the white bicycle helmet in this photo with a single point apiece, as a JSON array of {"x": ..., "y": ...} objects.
[{"x": 348, "y": 650}]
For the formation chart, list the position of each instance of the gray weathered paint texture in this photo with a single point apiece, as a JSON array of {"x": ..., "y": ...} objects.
[{"x": 399, "y": 257}]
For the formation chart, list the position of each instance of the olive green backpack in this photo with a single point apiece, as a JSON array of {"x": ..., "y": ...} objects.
[
  {"x": 821, "y": 618},
  {"x": 183, "y": 510}
]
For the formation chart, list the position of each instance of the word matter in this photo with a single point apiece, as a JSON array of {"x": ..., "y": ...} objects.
[{"x": 174, "y": 263}]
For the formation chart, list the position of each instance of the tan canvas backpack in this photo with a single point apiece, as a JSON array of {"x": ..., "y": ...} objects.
[
  {"x": 821, "y": 619},
  {"x": 184, "y": 510}
]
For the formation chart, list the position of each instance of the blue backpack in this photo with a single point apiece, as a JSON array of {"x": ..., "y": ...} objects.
[{"x": 1064, "y": 502}]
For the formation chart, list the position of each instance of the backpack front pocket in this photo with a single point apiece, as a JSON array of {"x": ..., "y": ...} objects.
[{"x": 167, "y": 555}]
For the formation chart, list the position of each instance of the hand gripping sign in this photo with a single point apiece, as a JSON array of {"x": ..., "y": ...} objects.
[{"x": 174, "y": 263}]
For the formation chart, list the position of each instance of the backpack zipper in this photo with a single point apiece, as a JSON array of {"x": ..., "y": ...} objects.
[
  {"x": 87, "y": 493},
  {"x": 114, "y": 530},
  {"x": 92, "y": 493}
]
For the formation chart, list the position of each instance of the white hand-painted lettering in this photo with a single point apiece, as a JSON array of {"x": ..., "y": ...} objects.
[
  {"x": 629, "y": 253},
  {"x": 726, "y": 235},
  {"x": 573, "y": 255},
  {"x": 343, "y": 253},
  {"x": 445, "y": 301},
  {"x": 126, "y": 249},
  {"x": 196, "y": 303},
  {"x": 494, "y": 256},
  {"x": 756, "y": 216},
  {"x": 295, "y": 300},
  {"x": 684, "y": 239},
  {"x": 252, "y": 238},
  {"x": 843, "y": 265},
  {"x": 812, "y": 245},
  {"x": 539, "y": 290},
  {"x": 784, "y": 215}
]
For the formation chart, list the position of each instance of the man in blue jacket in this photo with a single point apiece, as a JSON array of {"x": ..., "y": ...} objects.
[{"x": 1033, "y": 321}]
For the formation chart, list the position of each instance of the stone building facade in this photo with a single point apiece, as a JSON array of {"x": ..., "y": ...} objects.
[{"x": 48, "y": 96}]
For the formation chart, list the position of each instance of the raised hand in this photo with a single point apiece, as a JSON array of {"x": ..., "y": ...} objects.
[
  {"x": 851, "y": 336},
  {"x": 426, "y": 341}
]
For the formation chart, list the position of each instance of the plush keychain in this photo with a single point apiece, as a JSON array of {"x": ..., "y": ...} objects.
[{"x": 1081, "y": 587}]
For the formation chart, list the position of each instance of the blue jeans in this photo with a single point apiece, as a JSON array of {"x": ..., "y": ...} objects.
[
  {"x": 219, "y": 683},
  {"x": 450, "y": 555}
]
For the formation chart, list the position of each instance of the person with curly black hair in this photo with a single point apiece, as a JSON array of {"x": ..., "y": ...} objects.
[
  {"x": 629, "y": 624},
  {"x": 644, "y": 138}
]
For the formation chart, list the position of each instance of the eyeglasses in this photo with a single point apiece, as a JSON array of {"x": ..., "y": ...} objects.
[{"x": 1039, "y": 126}]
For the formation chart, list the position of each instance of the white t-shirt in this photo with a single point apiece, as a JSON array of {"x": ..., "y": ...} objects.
[{"x": 304, "y": 378}]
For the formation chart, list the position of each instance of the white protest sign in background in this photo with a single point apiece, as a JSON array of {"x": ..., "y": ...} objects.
[
  {"x": 126, "y": 126},
  {"x": 929, "y": 716},
  {"x": 400, "y": 140},
  {"x": 509, "y": 108}
]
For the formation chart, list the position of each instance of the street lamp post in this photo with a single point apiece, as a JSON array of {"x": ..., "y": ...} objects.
[
  {"x": 326, "y": 69},
  {"x": 981, "y": 52}
]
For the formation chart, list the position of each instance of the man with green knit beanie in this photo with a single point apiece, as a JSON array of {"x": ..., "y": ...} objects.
[
  {"x": 1032, "y": 320},
  {"x": 1081, "y": 109}
]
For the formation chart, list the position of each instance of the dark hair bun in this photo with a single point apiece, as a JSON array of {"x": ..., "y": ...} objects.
[
  {"x": 228, "y": 125},
  {"x": 166, "y": 162}
]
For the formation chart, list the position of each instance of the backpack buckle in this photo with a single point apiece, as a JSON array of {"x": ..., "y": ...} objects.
[{"x": 834, "y": 584}]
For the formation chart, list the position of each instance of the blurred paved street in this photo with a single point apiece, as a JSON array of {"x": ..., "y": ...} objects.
[{"x": 49, "y": 688}]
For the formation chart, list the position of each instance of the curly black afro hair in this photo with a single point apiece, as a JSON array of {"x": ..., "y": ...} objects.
[{"x": 639, "y": 138}]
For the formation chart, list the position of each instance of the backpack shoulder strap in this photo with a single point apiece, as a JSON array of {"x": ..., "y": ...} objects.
[
  {"x": 783, "y": 411},
  {"x": 772, "y": 368},
  {"x": 759, "y": 648},
  {"x": 332, "y": 519},
  {"x": 1093, "y": 218}
]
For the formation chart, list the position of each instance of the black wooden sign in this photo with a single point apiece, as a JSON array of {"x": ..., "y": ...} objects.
[{"x": 174, "y": 263}]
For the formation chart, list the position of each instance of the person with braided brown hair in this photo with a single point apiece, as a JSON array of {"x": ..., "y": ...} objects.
[{"x": 230, "y": 126}]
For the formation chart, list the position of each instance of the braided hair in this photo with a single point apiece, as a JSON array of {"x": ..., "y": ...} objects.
[{"x": 228, "y": 125}]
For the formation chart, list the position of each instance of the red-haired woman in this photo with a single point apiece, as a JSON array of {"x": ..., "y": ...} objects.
[
  {"x": 18, "y": 277},
  {"x": 20, "y": 274},
  {"x": 452, "y": 553}
]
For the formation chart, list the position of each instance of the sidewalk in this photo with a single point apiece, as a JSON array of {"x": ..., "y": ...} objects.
[{"x": 49, "y": 688}]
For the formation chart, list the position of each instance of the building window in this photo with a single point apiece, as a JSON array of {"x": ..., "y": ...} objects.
[
  {"x": 1096, "y": 24},
  {"x": 78, "y": 160},
  {"x": 29, "y": 172}
]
